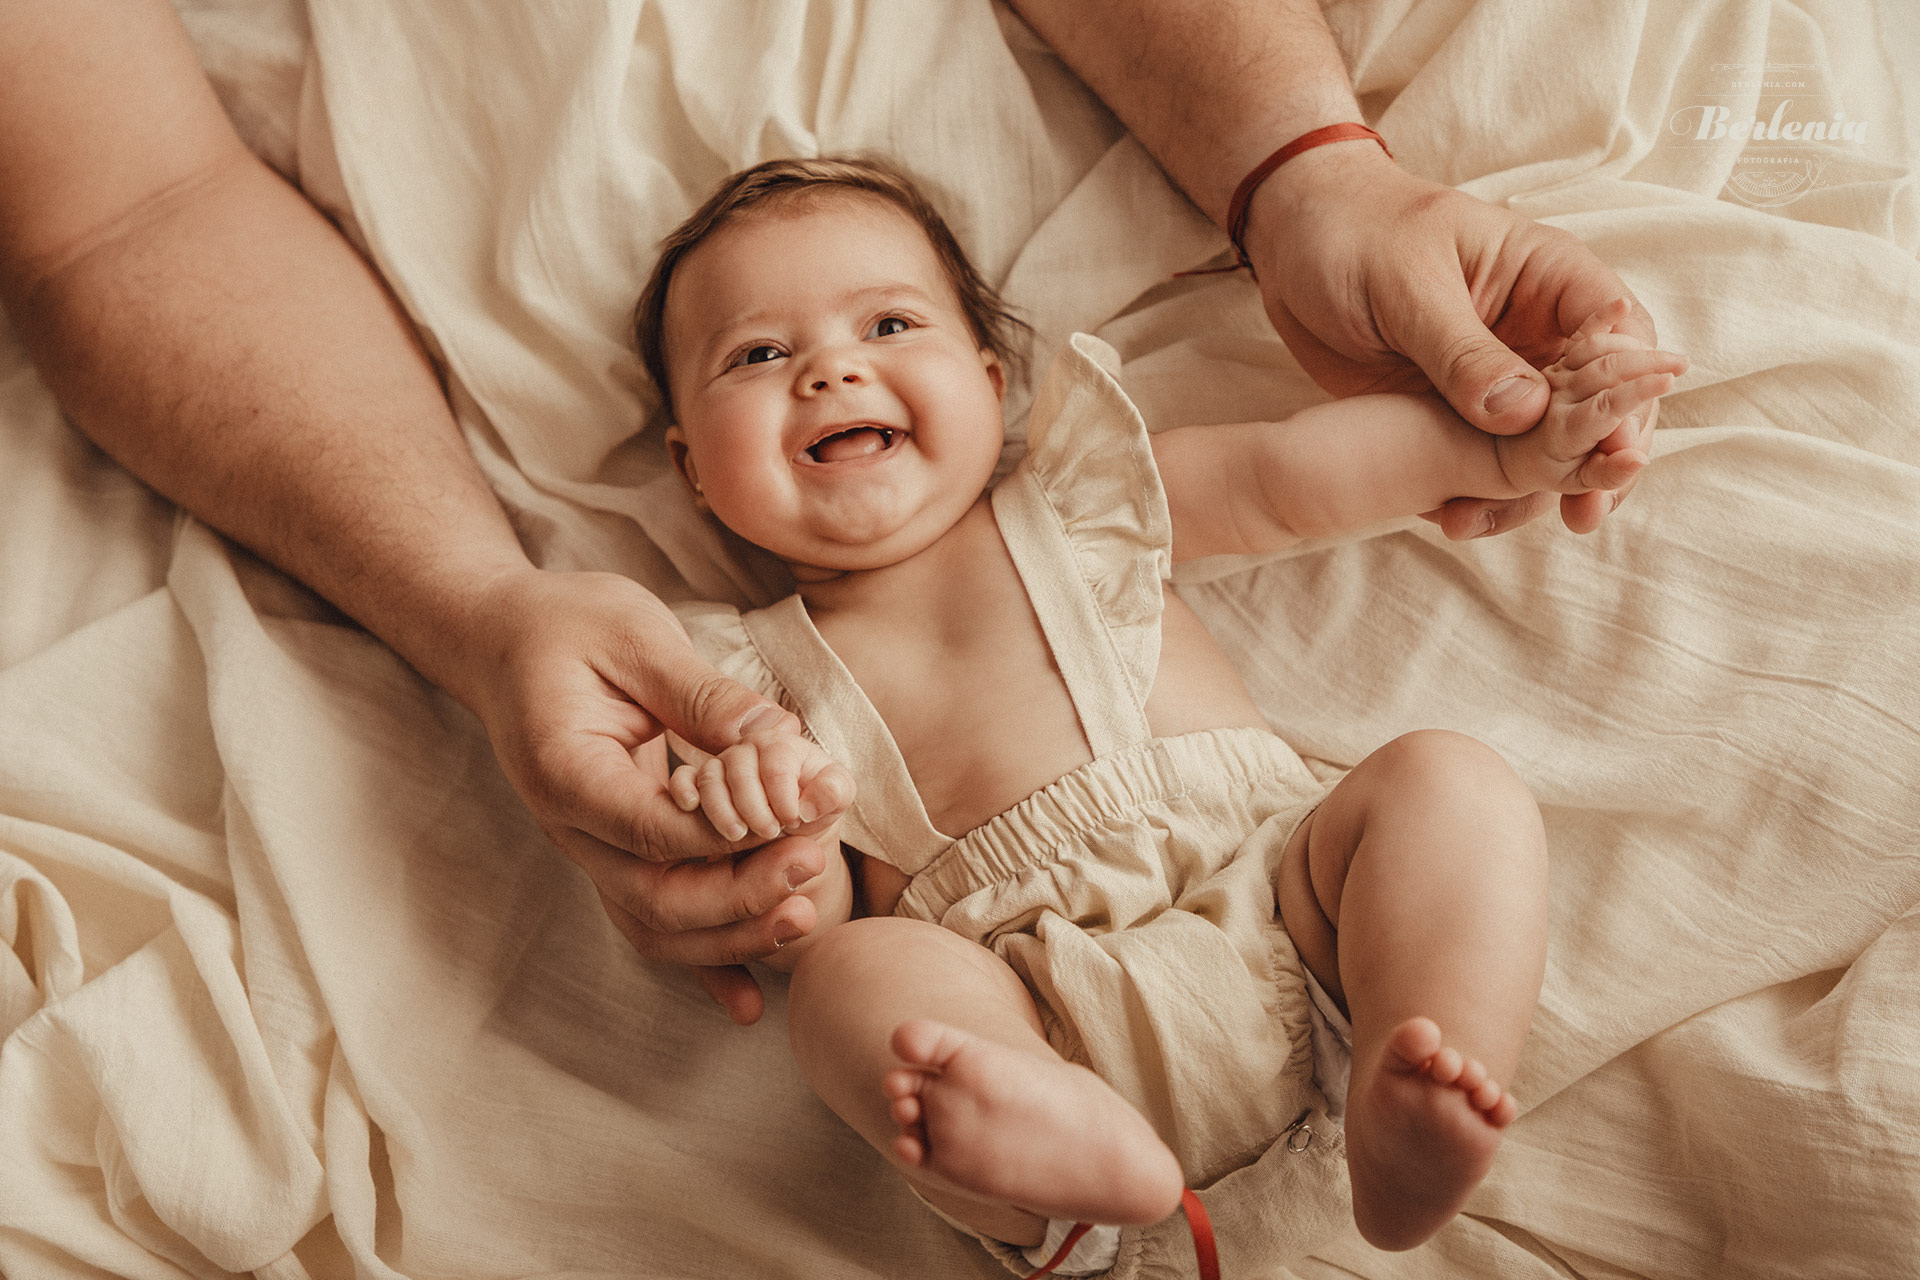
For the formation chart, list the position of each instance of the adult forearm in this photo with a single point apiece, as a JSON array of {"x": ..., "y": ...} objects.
[
  {"x": 1210, "y": 87},
  {"x": 226, "y": 345}
]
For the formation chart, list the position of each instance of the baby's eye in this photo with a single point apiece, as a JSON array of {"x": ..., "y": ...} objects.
[
  {"x": 759, "y": 354},
  {"x": 887, "y": 326}
]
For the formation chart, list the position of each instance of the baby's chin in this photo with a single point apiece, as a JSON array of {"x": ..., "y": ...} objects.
[
  {"x": 867, "y": 537},
  {"x": 824, "y": 562},
  {"x": 829, "y": 567}
]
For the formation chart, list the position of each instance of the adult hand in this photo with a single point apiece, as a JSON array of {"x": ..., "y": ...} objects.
[
  {"x": 576, "y": 676},
  {"x": 1381, "y": 280}
]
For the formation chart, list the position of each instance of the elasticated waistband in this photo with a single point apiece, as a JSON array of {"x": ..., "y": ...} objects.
[{"x": 1239, "y": 766}]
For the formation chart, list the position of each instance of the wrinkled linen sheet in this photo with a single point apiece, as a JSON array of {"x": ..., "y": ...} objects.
[{"x": 292, "y": 985}]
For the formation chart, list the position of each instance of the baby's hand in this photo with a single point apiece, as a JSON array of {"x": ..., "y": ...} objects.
[
  {"x": 1601, "y": 385},
  {"x": 768, "y": 785}
]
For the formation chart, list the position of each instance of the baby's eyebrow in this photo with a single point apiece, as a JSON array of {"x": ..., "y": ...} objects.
[{"x": 896, "y": 289}]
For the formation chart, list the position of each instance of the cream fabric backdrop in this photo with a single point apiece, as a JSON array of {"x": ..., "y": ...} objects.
[{"x": 294, "y": 986}]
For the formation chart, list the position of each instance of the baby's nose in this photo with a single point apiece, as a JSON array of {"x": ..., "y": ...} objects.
[{"x": 851, "y": 379}]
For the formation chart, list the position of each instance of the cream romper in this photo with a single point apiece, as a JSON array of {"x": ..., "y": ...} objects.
[{"x": 1134, "y": 896}]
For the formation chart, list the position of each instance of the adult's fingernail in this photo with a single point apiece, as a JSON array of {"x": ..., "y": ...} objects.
[
  {"x": 797, "y": 875},
  {"x": 735, "y": 834},
  {"x": 784, "y": 932},
  {"x": 807, "y": 812},
  {"x": 1485, "y": 526},
  {"x": 760, "y": 717},
  {"x": 1506, "y": 393}
]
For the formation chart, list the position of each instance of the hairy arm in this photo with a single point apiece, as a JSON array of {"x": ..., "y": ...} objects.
[
  {"x": 210, "y": 330},
  {"x": 1376, "y": 278},
  {"x": 215, "y": 334},
  {"x": 1210, "y": 87}
]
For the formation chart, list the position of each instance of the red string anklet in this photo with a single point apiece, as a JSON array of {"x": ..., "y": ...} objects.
[
  {"x": 1243, "y": 194},
  {"x": 1066, "y": 1247},
  {"x": 1204, "y": 1251}
]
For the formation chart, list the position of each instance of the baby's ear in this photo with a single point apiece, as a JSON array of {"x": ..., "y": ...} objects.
[
  {"x": 682, "y": 458},
  {"x": 996, "y": 373}
]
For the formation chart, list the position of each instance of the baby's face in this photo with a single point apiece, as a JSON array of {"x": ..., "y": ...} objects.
[{"x": 832, "y": 404}]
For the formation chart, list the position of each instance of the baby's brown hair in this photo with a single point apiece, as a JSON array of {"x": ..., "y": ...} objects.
[{"x": 782, "y": 182}]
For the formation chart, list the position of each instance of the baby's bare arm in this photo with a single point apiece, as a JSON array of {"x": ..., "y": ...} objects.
[
  {"x": 1244, "y": 488},
  {"x": 1250, "y": 487}
]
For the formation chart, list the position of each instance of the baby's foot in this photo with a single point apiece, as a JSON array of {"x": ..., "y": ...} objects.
[
  {"x": 1421, "y": 1132},
  {"x": 1034, "y": 1132}
]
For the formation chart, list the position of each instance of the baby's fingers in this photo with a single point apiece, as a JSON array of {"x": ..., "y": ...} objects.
[
  {"x": 1616, "y": 367},
  {"x": 1585, "y": 350},
  {"x": 1611, "y": 470},
  {"x": 1616, "y": 403},
  {"x": 786, "y": 761},
  {"x": 1604, "y": 318},
  {"x": 747, "y": 766},
  {"x": 716, "y": 797},
  {"x": 684, "y": 787},
  {"x": 1596, "y": 334},
  {"x": 826, "y": 795}
]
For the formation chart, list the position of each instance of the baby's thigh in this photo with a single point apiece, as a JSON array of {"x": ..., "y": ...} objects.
[
  {"x": 1409, "y": 799},
  {"x": 1308, "y": 920}
]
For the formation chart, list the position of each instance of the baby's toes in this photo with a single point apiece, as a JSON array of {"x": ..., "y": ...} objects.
[
  {"x": 922, "y": 1042},
  {"x": 903, "y": 1083},
  {"x": 1412, "y": 1043},
  {"x": 907, "y": 1114},
  {"x": 907, "y": 1111},
  {"x": 1472, "y": 1076},
  {"x": 910, "y": 1148},
  {"x": 1446, "y": 1066},
  {"x": 1495, "y": 1103}
]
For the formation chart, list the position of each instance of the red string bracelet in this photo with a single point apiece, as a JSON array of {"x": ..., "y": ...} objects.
[{"x": 1237, "y": 207}]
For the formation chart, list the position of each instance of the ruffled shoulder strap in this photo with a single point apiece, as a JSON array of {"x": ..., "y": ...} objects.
[
  {"x": 1085, "y": 518},
  {"x": 719, "y": 636},
  {"x": 777, "y": 652}
]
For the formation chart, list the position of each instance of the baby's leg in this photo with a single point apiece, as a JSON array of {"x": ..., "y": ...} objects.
[
  {"x": 1417, "y": 894},
  {"x": 929, "y": 1046}
]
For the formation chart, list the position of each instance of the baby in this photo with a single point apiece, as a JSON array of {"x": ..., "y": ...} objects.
[{"x": 1142, "y": 959}]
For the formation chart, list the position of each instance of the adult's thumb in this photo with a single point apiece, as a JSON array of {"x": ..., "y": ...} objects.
[
  {"x": 706, "y": 708},
  {"x": 1486, "y": 384}
]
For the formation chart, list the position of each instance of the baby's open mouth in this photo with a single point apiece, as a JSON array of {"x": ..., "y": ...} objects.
[{"x": 855, "y": 442}]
